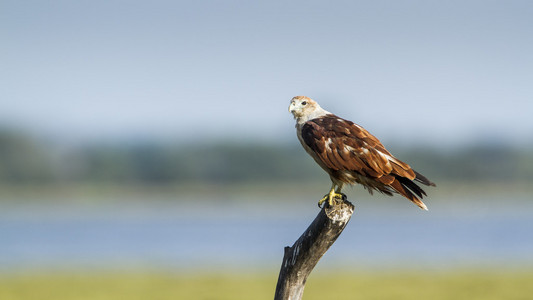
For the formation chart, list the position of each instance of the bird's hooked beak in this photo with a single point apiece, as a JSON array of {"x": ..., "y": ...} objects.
[{"x": 292, "y": 108}]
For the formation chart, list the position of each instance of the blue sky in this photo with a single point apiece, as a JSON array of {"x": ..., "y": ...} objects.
[{"x": 441, "y": 72}]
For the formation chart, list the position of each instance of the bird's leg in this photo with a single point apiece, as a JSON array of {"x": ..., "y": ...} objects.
[
  {"x": 338, "y": 192},
  {"x": 334, "y": 193},
  {"x": 327, "y": 196}
]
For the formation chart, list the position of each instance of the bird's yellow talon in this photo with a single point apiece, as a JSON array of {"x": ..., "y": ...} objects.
[
  {"x": 331, "y": 197},
  {"x": 336, "y": 196},
  {"x": 323, "y": 200}
]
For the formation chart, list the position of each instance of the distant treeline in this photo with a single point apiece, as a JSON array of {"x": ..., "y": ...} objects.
[{"x": 27, "y": 160}]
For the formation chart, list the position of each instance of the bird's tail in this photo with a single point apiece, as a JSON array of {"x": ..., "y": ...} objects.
[
  {"x": 422, "y": 179},
  {"x": 410, "y": 190}
]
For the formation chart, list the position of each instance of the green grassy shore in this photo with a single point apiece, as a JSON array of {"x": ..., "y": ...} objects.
[{"x": 458, "y": 284}]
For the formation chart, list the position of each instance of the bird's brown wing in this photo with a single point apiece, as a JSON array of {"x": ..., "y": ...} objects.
[{"x": 344, "y": 146}]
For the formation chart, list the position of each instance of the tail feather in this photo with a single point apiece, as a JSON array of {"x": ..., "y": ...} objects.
[
  {"x": 405, "y": 189},
  {"x": 422, "y": 179},
  {"x": 412, "y": 186}
]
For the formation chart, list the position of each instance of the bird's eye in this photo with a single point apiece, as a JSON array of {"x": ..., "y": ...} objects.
[{"x": 304, "y": 103}]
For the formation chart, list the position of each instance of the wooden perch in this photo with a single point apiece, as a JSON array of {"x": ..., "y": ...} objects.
[{"x": 300, "y": 259}]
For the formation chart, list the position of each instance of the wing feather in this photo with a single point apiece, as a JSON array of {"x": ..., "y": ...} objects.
[{"x": 341, "y": 145}]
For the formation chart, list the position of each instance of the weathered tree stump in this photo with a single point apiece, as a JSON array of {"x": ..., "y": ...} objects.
[{"x": 300, "y": 259}]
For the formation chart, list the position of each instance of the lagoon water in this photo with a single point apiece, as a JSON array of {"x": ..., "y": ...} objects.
[{"x": 211, "y": 234}]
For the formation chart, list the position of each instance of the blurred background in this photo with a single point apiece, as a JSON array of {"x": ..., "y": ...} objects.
[{"x": 146, "y": 147}]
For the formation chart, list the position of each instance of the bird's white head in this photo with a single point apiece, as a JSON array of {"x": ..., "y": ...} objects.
[{"x": 304, "y": 109}]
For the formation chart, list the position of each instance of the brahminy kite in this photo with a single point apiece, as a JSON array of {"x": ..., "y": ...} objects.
[{"x": 350, "y": 154}]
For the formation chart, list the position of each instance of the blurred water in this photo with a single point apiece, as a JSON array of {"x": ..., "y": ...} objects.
[{"x": 209, "y": 234}]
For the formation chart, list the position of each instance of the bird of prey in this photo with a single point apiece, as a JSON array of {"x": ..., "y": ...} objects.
[{"x": 350, "y": 154}]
